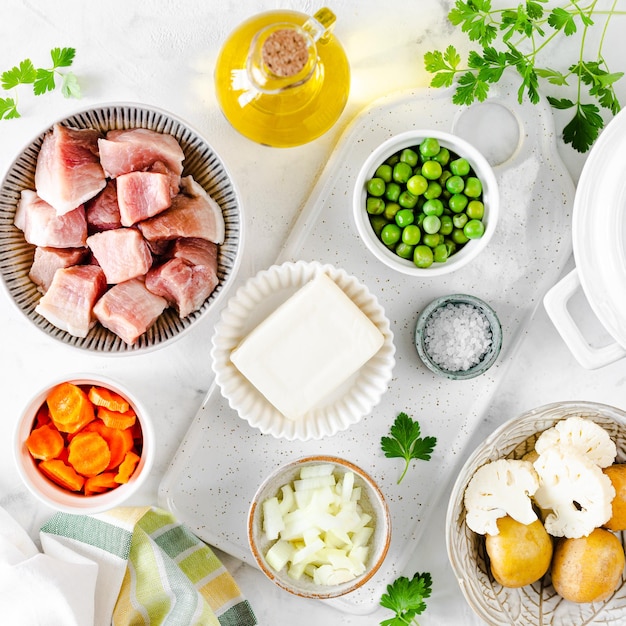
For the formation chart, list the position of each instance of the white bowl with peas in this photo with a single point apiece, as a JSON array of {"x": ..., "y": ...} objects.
[{"x": 426, "y": 202}]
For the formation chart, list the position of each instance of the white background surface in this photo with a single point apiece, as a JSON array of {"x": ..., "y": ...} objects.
[{"x": 162, "y": 53}]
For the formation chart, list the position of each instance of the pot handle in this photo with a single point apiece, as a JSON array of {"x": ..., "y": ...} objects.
[{"x": 555, "y": 302}]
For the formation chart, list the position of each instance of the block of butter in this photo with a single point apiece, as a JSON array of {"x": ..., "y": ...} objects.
[{"x": 307, "y": 347}]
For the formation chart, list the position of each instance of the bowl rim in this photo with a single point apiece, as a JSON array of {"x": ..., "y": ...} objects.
[
  {"x": 490, "y": 449},
  {"x": 63, "y": 337},
  {"x": 478, "y": 162},
  {"x": 55, "y": 496},
  {"x": 496, "y": 336},
  {"x": 334, "y": 591}
]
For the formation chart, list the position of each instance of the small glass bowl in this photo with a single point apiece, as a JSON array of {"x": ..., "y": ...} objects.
[{"x": 488, "y": 358}]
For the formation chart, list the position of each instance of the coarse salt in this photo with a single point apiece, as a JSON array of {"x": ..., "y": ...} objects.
[{"x": 457, "y": 336}]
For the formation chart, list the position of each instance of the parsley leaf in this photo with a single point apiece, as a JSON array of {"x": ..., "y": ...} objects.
[
  {"x": 442, "y": 65},
  {"x": 584, "y": 127},
  {"x": 23, "y": 74},
  {"x": 405, "y": 442},
  {"x": 42, "y": 80},
  {"x": 406, "y": 597},
  {"x": 474, "y": 18}
]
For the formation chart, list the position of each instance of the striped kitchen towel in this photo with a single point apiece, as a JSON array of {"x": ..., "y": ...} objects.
[{"x": 152, "y": 569}]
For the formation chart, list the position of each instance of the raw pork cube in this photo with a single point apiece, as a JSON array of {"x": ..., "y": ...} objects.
[
  {"x": 189, "y": 278},
  {"x": 193, "y": 214},
  {"x": 48, "y": 260},
  {"x": 141, "y": 195},
  {"x": 69, "y": 301},
  {"x": 129, "y": 309},
  {"x": 121, "y": 253},
  {"x": 103, "y": 212},
  {"x": 139, "y": 149},
  {"x": 68, "y": 171},
  {"x": 43, "y": 227}
]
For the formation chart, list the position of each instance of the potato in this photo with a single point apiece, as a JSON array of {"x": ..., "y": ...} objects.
[
  {"x": 520, "y": 554},
  {"x": 589, "y": 568},
  {"x": 617, "y": 474}
]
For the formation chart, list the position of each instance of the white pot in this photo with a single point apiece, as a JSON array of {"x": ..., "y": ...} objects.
[{"x": 599, "y": 245}]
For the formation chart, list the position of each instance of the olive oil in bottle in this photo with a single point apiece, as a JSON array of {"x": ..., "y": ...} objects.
[{"x": 282, "y": 78}]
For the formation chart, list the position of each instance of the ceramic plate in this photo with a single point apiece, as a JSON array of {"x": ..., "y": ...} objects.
[
  {"x": 254, "y": 301},
  {"x": 16, "y": 256},
  {"x": 537, "y": 604}
]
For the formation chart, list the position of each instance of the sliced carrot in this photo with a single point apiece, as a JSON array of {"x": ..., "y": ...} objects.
[
  {"x": 100, "y": 483},
  {"x": 119, "y": 441},
  {"x": 101, "y": 396},
  {"x": 70, "y": 408},
  {"x": 62, "y": 474},
  {"x": 89, "y": 454},
  {"x": 115, "y": 419},
  {"x": 45, "y": 443},
  {"x": 127, "y": 467}
]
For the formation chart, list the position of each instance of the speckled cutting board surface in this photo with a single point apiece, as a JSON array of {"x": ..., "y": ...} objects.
[{"x": 222, "y": 460}]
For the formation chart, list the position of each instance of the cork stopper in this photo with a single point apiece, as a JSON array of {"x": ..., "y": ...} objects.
[{"x": 285, "y": 52}]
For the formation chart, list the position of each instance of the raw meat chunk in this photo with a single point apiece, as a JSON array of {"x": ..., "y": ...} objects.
[
  {"x": 138, "y": 149},
  {"x": 103, "y": 212},
  {"x": 68, "y": 170},
  {"x": 187, "y": 279},
  {"x": 129, "y": 309},
  {"x": 122, "y": 253},
  {"x": 141, "y": 195},
  {"x": 69, "y": 301},
  {"x": 193, "y": 214},
  {"x": 43, "y": 227},
  {"x": 48, "y": 260}
]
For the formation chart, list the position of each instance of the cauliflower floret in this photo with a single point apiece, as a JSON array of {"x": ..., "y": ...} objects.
[
  {"x": 582, "y": 435},
  {"x": 500, "y": 488},
  {"x": 574, "y": 490}
]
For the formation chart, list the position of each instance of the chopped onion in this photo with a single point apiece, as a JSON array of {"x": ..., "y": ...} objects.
[{"x": 318, "y": 527}]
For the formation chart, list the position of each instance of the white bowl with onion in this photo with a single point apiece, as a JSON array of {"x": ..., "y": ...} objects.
[{"x": 319, "y": 527}]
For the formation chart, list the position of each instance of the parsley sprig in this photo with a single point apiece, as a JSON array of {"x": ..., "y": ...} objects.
[
  {"x": 515, "y": 38},
  {"x": 42, "y": 80},
  {"x": 406, "y": 597},
  {"x": 405, "y": 442}
]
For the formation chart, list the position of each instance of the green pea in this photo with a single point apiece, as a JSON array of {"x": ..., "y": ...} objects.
[
  {"x": 393, "y": 191},
  {"x": 474, "y": 229},
  {"x": 455, "y": 184},
  {"x": 431, "y": 224},
  {"x": 407, "y": 200},
  {"x": 393, "y": 159},
  {"x": 417, "y": 184},
  {"x": 402, "y": 172},
  {"x": 433, "y": 207},
  {"x": 459, "y": 237},
  {"x": 457, "y": 202},
  {"x": 432, "y": 240},
  {"x": 443, "y": 156},
  {"x": 376, "y": 187},
  {"x": 429, "y": 147},
  {"x": 444, "y": 177},
  {"x": 390, "y": 234},
  {"x": 459, "y": 220},
  {"x": 422, "y": 256},
  {"x": 475, "y": 210},
  {"x": 409, "y": 156},
  {"x": 473, "y": 187},
  {"x": 411, "y": 235},
  {"x": 374, "y": 206},
  {"x": 446, "y": 225},
  {"x": 434, "y": 190},
  {"x": 440, "y": 253},
  {"x": 404, "y": 217},
  {"x": 450, "y": 246},
  {"x": 460, "y": 167},
  {"x": 404, "y": 250},
  {"x": 378, "y": 222},
  {"x": 384, "y": 171},
  {"x": 391, "y": 208},
  {"x": 431, "y": 170}
]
